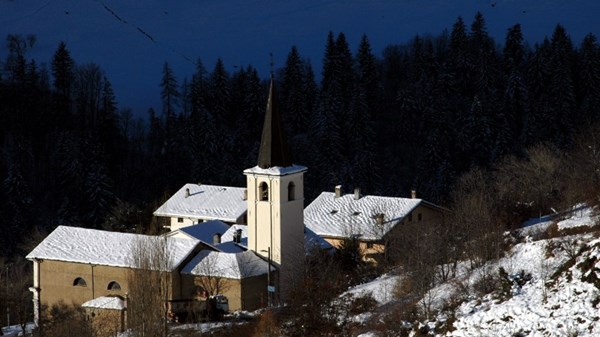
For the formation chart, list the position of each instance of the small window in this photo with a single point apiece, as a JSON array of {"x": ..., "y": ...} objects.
[
  {"x": 356, "y": 213},
  {"x": 263, "y": 191},
  {"x": 420, "y": 217},
  {"x": 333, "y": 211},
  {"x": 114, "y": 286},
  {"x": 180, "y": 220},
  {"x": 79, "y": 282},
  {"x": 369, "y": 245},
  {"x": 291, "y": 191},
  {"x": 410, "y": 217}
]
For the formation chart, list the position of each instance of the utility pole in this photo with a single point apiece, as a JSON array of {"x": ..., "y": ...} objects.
[{"x": 270, "y": 289}]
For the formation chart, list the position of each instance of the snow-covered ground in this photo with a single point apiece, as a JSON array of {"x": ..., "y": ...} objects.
[{"x": 562, "y": 298}]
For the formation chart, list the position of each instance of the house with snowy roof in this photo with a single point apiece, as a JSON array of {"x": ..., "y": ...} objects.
[
  {"x": 79, "y": 265},
  {"x": 195, "y": 203},
  {"x": 372, "y": 220}
]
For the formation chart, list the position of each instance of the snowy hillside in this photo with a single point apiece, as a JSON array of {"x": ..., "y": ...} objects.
[
  {"x": 131, "y": 40},
  {"x": 551, "y": 288}
]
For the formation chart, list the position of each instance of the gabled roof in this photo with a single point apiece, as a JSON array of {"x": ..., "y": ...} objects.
[
  {"x": 226, "y": 265},
  {"x": 230, "y": 233},
  {"x": 207, "y": 202},
  {"x": 106, "y": 302},
  {"x": 344, "y": 216},
  {"x": 92, "y": 246},
  {"x": 203, "y": 231}
]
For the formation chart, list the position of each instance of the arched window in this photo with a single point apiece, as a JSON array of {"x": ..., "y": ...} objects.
[
  {"x": 263, "y": 191},
  {"x": 291, "y": 191},
  {"x": 79, "y": 282},
  {"x": 114, "y": 286}
]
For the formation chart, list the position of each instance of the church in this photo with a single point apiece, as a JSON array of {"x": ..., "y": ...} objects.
[{"x": 246, "y": 244}]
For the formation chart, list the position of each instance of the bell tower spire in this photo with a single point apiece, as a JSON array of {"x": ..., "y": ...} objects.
[
  {"x": 274, "y": 150},
  {"x": 276, "y": 201}
]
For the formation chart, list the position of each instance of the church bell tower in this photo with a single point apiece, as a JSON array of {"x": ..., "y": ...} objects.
[{"x": 276, "y": 201}]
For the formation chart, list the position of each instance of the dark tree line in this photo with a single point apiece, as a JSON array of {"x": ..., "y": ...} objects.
[{"x": 416, "y": 117}]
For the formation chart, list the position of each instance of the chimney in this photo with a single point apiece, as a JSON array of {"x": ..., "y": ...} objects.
[
  {"x": 356, "y": 193},
  {"x": 413, "y": 194},
  {"x": 245, "y": 197},
  {"x": 338, "y": 191},
  {"x": 237, "y": 237},
  {"x": 379, "y": 218},
  {"x": 187, "y": 192},
  {"x": 216, "y": 238}
]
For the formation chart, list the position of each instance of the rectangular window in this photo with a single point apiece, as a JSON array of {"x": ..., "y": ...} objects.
[
  {"x": 420, "y": 217},
  {"x": 180, "y": 220},
  {"x": 410, "y": 217},
  {"x": 369, "y": 245}
]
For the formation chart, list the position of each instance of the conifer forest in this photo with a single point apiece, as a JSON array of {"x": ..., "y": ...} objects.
[{"x": 412, "y": 116}]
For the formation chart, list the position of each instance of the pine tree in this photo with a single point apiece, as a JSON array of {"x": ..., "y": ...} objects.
[
  {"x": 539, "y": 120},
  {"x": 361, "y": 131},
  {"x": 63, "y": 71},
  {"x": 97, "y": 187},
  {"x": 219, "y": 95},
  {"x": 589, "y": 80},
  {"x": 292, "y": 96},
  {"x": 170, "y": 99},
  {"x": 511, "y": 117},
  {"x": 561, "y": 87},
  {"x": 18, "y": 212},
  {"x": 476, "y": 137},
  {"x": 204, "y": 144},
  {"x": 325, "y": 126}
]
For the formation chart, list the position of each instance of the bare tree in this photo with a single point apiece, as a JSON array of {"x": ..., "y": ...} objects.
[
  {"x": 474, "y": 215},
  {"x": 531, "y": 186},
  {"x": 583, "y": 183},
  {"x": 65, "y": 320},
  {"x": 149, "y": 287}
]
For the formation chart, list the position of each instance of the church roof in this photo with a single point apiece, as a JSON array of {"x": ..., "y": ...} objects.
[
  {"x": 274, "y": 150},
  {"x": 92, "y": 246},
  {"x": 346, "y": 216},
  {"x": 226, "y": 265},
  {"x": 203, "y": 231},
  {"x": 207, "y": 202}
]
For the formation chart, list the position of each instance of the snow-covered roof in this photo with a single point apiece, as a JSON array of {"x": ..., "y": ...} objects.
[
  {"x": 312, "y": 241},
  {"x": 207, "y": 202},
  {"x": 230, "y": 233},
  {"x": 226, "y": 265},
  {"x": 84, "y": 245},
  {"x": 106, "y": 302},
  {"x": 203, "y": 231},
  {"x": 346, "y": 216},
  {"x": 231, "y": 247},
  {"x": 276, "y": 170}
]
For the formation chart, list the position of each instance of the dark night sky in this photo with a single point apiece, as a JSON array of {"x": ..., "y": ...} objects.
[{"x": 131, "y": 40}]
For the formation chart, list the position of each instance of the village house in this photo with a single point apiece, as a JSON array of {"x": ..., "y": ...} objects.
[
  {"x": 372, "y": 220},
  {"x": 78, "y": 265},
  {"x": 195, "y": 203}
]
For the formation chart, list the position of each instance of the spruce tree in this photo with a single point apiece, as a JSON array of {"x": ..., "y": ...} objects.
[
  {"x": 63, "y": 72},
  {"x": 588, "y": 71},
  {"x": 170, "y": 96},
  {"x": 562, "y": 98},
  {"x": 361, "y": 131}
]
